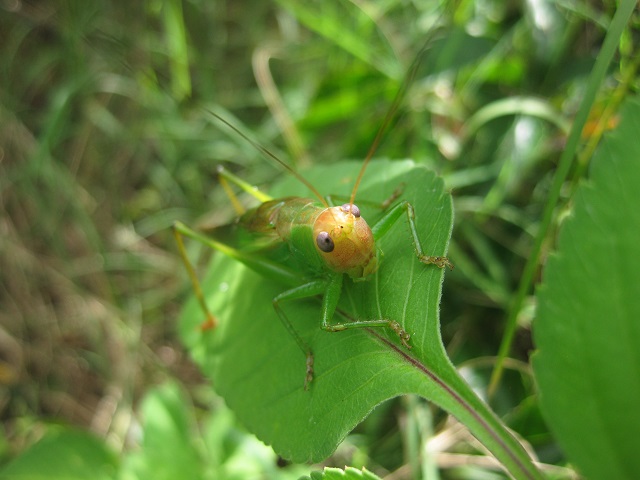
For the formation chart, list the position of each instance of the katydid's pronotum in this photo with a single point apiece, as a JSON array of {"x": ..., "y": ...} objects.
[{"x": 325, "y": 242}]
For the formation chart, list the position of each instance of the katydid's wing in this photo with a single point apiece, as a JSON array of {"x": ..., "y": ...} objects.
[{"x": 258, "y": 368}]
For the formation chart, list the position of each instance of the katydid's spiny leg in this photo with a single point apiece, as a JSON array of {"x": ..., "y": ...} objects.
[
  {"x": 180, "y": 230},
  {"x": 391, "y": 217},
  {"x": 331, "y": 290},
  {"x": 330, "y": 303},
  {"x": 307, "y": 290}
]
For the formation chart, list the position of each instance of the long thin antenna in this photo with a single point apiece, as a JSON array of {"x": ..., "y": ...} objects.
[
  {"x": 264, "y": 151},
  {"x": 408, "y": 80}
]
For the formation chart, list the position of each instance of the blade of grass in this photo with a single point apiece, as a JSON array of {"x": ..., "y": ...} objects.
[{"x": 177, "y": 47}]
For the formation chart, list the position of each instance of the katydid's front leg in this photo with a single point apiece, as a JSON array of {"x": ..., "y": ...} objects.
[
  {"x": 330, "y": 303},
  {"x": 391, "y": 217},
  {"x": 330, "y": 288}
]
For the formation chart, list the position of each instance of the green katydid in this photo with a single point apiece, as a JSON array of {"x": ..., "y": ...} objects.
[{"x": 322, "y": 244}]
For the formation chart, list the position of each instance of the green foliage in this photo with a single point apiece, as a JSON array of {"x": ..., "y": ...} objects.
[
  {"x": 350, "y": 27},
  {"x": 64, "y": 454},
  {"x": 614, "y": 34},
  {"x": 106, "y": 139},
  {"x": 587, "y": 328},
  {"x": 172, "y": 446}
]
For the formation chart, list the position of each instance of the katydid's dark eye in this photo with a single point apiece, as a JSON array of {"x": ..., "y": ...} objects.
[
  {"x": 324, "y": 242},
  {"x": 350, "y": 208}
]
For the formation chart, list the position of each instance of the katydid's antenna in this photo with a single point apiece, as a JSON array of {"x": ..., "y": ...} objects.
[
  {"x": 264, "y": 151},
  {"x": 408, "y": 80}
]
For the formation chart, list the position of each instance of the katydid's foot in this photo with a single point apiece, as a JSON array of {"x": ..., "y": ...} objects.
[
  {"x": 437, "y": 261},
  {"x": 209, "y": 324},
  {"x": 309, "y": 377},
  {"x": 392, "y": 324},
  {"x": 401, "y": 332}
]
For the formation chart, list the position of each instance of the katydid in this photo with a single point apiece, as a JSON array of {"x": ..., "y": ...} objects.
[{"x": 323, "y": 244}]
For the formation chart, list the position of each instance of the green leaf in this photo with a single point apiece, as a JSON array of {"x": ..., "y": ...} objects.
[
  {"x": 588, "y": 325},
  {"x": 258, "y": 368},
  {"x": 64, "y": 454}
]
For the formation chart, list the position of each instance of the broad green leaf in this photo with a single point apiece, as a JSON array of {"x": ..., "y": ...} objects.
[
  {"x": 587, "y": 328},
  {"x": 258, "y": 368},
  {"x": 64, "y": 454}
]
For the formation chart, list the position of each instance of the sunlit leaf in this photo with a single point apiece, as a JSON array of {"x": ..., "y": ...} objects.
[
  {"x": 259, "y": 370},
  {"x": 588, "y": 325}
]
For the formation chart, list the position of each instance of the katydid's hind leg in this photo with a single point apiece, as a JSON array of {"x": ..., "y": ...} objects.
[
  {"x": 225, "y": 177},
  {"x": 383, "y": 226},
  {"x": 330, "y": 303},
  {"x": 237, "y": 206},
  {"x": 210, "y": 321},
  {"x": 264, "y": 266},
  {"x": 307, "y": 290}
]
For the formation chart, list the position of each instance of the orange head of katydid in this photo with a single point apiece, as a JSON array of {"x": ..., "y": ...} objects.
[
  {"x": 345, "y": 241},
  {"x": 343, "y": 237}
]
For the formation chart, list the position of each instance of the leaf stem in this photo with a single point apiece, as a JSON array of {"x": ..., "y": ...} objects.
[{"x": 478, "y": 418}]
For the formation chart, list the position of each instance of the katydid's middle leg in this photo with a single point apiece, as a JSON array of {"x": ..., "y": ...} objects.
[
  {"x": 307, "y": 290},
  {"x": 391, "y": 217}
]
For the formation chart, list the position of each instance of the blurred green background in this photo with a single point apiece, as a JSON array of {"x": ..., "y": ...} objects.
[{"x": 106, "y": 139}]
